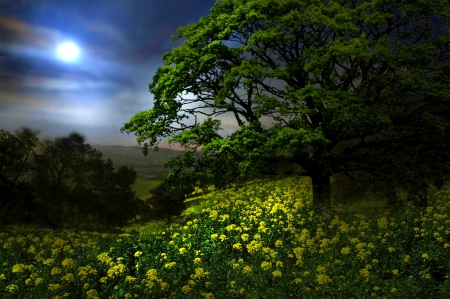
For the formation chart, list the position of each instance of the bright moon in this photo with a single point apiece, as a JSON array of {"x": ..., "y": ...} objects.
[{"x": 68, "y": 51}]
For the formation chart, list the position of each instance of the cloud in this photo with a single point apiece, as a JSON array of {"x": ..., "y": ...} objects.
[
  {"x": 13, "y": 99},
  {"x": 106, "y": 31},
  {"x": 70, "y": 83},
  {"x": 22, "y": 38}
]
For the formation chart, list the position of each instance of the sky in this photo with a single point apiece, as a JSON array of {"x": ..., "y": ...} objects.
[
  {"x": 120, "y": 45},
  {"x": 95, "y": 91}
]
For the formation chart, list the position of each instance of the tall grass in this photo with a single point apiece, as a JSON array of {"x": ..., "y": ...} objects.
[{"x": 260, "y": 241}]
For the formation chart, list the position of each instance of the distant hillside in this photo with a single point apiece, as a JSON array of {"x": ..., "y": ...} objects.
[{"x": 145, "y": 166}]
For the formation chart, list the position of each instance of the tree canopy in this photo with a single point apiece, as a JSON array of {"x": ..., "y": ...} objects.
[
  {"x": 346, "y": 86},
  {"x": 16, "y": 153}
]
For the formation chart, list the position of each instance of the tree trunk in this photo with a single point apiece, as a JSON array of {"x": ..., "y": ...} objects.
[{"x": 321, "y": 193}]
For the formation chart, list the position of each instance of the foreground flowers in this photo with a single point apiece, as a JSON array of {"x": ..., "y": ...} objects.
[{"x": 258, "y": 241}]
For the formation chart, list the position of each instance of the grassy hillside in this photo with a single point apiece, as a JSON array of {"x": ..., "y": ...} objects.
[
  {"x": 260, "y": 241},
  {"x": 150, "y": 166}
]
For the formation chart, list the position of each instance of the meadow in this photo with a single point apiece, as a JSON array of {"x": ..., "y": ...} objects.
[{"x": 258, "y": 241}]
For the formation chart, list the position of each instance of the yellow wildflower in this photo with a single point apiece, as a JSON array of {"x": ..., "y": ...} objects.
[
  {"x": 170, "y": 265},
  {"x": 199, "y": 273},
  {"x": 38, "y": 281},
  {"x": 68, "y": 263},
  {"x": 247, "y": 270},
  {"x": 322, "y": 278},
  {"x": 266, "y": 266},
  {"x": 92, "y": 294},
  {"x": 48, "y": 261},
  {"x": 277, "y": 273},
  {"x": 365, "y": 273},
  {"x": 18, "y": 268},
  {"x": 68, "y": 277},
  {"x": 116, "y": 270},
  {"x": 130, "y": 279},
  {"x": 237, "y": 246},
  {"x": 185, "y": 289},
  {"x": 53, "y": 287},
  {"x": 31, "y": 249},
  {"x": 208, "y": 295},
  {"x": 345, "y": 250},
  {"x": 152, "y": 274},
  {"x": 12, "y": 288},
  {"x": 164, "y": 286},
  {"x": 254, "y": 246}
]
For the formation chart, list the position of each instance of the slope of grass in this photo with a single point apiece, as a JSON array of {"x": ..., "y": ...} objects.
[
  {"x": 260, "y": 241},
  {"x": 141, "y": 187}
]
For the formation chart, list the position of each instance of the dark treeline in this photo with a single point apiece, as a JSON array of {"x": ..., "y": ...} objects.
[{"x": 61, "y": 182}]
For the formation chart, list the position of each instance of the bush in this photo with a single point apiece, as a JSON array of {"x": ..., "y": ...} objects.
[{"x": 168, "y": 200}]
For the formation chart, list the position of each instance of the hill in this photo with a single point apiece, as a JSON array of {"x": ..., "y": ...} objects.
[{"x": 150, "y": 166}]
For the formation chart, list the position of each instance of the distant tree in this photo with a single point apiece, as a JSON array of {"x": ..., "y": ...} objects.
[
  {"x": 118, "y": 202},
  {"x": 74, "y": 185},
  {"x": 349, "y": 86},
  {"x": 15, "y": 164}
]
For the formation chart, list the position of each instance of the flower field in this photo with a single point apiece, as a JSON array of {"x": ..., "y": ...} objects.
[{"x": 260, "y": 241}]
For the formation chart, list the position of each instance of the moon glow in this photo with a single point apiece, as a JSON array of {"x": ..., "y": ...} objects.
[{"x": 68, "y": 51}]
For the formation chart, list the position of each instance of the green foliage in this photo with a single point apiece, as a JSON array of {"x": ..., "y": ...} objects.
[
  {"x": 62, "y": 182},
  {"x": 73, "y": 182},
  {"x": 366, "y": 75}
]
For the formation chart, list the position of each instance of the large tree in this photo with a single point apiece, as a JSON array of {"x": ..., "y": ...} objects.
[{"x": 347, "y": 85}]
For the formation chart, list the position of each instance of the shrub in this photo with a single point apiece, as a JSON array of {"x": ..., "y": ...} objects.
[{"x": 168, "y": 200}]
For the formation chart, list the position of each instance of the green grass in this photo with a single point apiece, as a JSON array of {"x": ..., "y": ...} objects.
[
  {"x": 260, "y": 241},
  {"x": 141, "y": 187}
]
